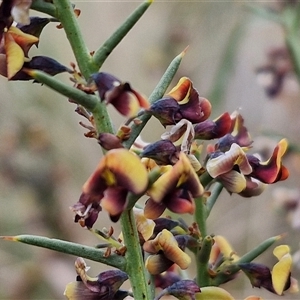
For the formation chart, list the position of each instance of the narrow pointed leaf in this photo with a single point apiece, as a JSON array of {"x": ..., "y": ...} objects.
[
  {"x": 78, "y": 96},
  {"x": 103, "y": 52},
  {"x": 70, "y": 248},
  {"x": 258, "y": 250}
]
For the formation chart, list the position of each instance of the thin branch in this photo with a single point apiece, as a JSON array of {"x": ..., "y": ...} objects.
[{"x": 104, "y": 51}]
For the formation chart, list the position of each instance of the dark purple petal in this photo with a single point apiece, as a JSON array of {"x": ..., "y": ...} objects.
[
  {"x": 166, "y": 110},
  {"x": 35, "y": 27},
  {"x": 162, "y": 152},
  {"x": 105, "y": 82}
]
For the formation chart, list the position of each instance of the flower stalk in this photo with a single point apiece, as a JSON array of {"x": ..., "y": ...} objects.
[{"x": 135, "y": 268}]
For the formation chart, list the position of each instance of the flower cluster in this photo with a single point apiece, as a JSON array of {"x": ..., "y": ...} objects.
[
  {"x": 175, "y": 174},
  {"x": 122, "y": 173},
  {"x": 16, "y": 42},
  {"x": 147, "y": 187}
]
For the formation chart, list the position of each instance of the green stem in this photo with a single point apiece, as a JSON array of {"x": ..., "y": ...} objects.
[
  {"x": 290, "y": 22},
  {"x": 138, "y": 275},
  {"x": 102, "y": 120},
  {"x": 91, "y": 253},
  {"x": 44, "y": 7},
  {"x": 215, "y": 193},
  {"x": 201, "y": 212},
  {"x": 88, "y": 101},
  {"x": 293, "y": 44},
  {"x": 203, "y": 278},
  {"x": 201, "y": 215},
  {"x": 84, "y": 60},
  {"x": 104, "y": 51},
  {"x": 67, "y": 17},
  {"x": 157, "y": 94}
]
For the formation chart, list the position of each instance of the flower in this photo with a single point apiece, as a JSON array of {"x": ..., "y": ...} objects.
[
  {"x": 182, "y": 289},
  {"x": 118, "y": 173},
  {"x": 182, "y": 102},
  {"x": 272, "y": 170},
  {"x": 144, "y": 226},
  {"x": 229, "y": 168},
  {"x": 125, "y": 99},
  {"x": 16, "y": 45},
  {"x": 181, "y": 135},
  {"x": 192, "y": 107},
  {"x": 175, "y": 189},
  {"x": 166, "y": 243},
  {"x": 244, "y": 173},
  {"x": 17, "y": 41},
  {"x": 105, "y": 286},
  {"x": 276, "y": 281}
]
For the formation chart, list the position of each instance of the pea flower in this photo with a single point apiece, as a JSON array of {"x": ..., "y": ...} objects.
[
  {"x": 16, "y": 43},
  {"x": 244, "y": 173},
  {"x": 126, "y": 100},
  {"x": 175, "y": 189},
  {"x": 105, "y": 286},
  {"x": 182, "y": 289},
  {"x": 272, "y": 170},
  {"x": 166, "y": 243},
  {"x": 276, "y": 281},
  {"x": 14, "y": 51},
  {"x": 230, "y": 168},
  {"x": 118, "y": 173},
  {"x": 182, "y": 102}
]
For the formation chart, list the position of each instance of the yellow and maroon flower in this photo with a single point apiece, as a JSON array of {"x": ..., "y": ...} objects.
[
  {"x": 272, "y": 170},
  {"x": 165, "y": 252},
  {"x": 118, "y": 173},
  {"x": 175, "y": 189},
  {"x": 182, "y": 102},
  {"x": 230, "y": 168},
  {"x": 13, "y": 53},
  {"x": 276, "y": 281},
  {"x": 120, "y": 94},
  {"x": 105, "y": 286},
  {"x": 192, "y": 107}
]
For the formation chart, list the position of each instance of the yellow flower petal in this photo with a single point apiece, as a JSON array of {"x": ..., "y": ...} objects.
[
  {"x": 14, "y": 55},
  {"x": 213, "y": 293},
  {"x": 225, "y": 248},
  {"x": 281, "y": 270},
  {"x": 145, "y": 226},
  {"x": 281, "y": 250}
]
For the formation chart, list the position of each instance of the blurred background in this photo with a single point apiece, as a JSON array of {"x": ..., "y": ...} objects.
[{"x": 45, "y": 158}]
